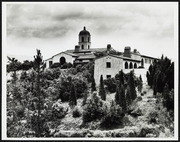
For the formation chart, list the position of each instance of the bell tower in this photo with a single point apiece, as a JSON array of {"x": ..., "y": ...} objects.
[{"x": 84, "y": 39}]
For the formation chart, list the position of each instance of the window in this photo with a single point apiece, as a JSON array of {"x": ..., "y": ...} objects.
[
  {"x": 150, "y": 61},
  {"x": 108, "y": 64},
  {"x": 126, "y": 65},
  {"x": 108, "y": 76},
  {"x": 142, "y": 62},
  {"x": 135, "y": 65},
  {"x": 88, "y": 39},
  {"x": 130, "y": 65},
  {"x": 50, "y": 63},
  {"x": 82, "y": 46},
  {"x": 88, "y": 46},
  {"x": 82, "y": 39}
]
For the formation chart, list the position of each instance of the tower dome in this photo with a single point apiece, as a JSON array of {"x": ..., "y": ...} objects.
[
  {"x": 84, "y": 32},
  {"x": 84, "y": 39}
]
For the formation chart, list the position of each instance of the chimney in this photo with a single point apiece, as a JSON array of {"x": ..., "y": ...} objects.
[
  {"x": 127, "y": 51},
  {"x": 77, "y": 48}
]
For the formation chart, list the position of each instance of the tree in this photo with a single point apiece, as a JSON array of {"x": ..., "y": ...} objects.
[
  {"x": 122, "y": 99},
  {"x": 166, "y": 97},
  {"x": 131, "y": 84},
  {"x": 93, "y": 85},
  {"x": 117, "y": 95},
  {"x": 128, "y": 96},
  {"x": 102, "y": 92},
  {"x": 13, "y": 65},
  {"x": 140, "y": 84},
  {"x": 72, "y": 97},
  {"x": 38, "y": 62}
]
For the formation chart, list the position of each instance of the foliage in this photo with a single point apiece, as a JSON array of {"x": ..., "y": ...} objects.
[
  {"x": 139, "y": 84},
  {"x": 131, "y": 83},
  {"x": 110, "y": 84},
  {"x": 113, "y": 117},
  {"x": 93, "y": 109},
  {"x": 93, "y": 85},
  {"x": 58, "y": 110},
  {"x": 160, "y": 73},
  {"x": 122, "y": 99},
  {"x": 76, "y": 112},
  {"x": 72, "y": 97},
  {"x": 128, "y": 96},
  {"x": 102, "y": 92}
]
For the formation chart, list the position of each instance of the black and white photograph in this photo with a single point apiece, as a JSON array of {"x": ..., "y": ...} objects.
[{"x": 89, "y": 71}]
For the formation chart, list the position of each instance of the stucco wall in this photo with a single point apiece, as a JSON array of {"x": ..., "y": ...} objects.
[
  {"x": 56, "y": 59},
  {"x": 101, "y": 69}
]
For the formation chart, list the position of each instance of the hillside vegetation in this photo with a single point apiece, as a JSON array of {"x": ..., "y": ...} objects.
[{"x": 60, "y": 102}]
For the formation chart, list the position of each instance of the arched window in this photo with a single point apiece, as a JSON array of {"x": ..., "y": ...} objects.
[
  {"x": 126, "y": 65},
  {"x": 131, "y": 65},
  {"x": 142, "y": 62},
  {"x": 82, "y": 46},
  {"x": 135, "y": 65},
  {"x": 88, "y": 39},
  {"x": 82, "y": 39},
  {"x": 88, "y": 46},
  {"x": 62, "y": 60}
]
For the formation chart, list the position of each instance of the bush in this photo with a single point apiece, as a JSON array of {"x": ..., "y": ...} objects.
[
  {"x": 153, "y": 116},
  {"x": 58, "y": 110},
  {"x": 93, "y": 109},
  {"x": 76, "y": 112},
  {"x": 139, "y": 98},
  {"x": 110, "y": 84},
  {"x": 114, "y": 116}
]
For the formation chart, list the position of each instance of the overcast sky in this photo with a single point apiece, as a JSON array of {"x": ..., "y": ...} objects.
[{"x": 54, "y": 27}]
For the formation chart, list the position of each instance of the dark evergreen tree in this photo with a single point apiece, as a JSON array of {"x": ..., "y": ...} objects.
[
  {"x": 102, "y": 92},
  {"x": 93, "y": 85},
  {"x": 131, "y": 83},
  {"x": 166, "y": 97},
  {"x": 117, "y": 95},
  {"x": 72, "y": 98},
  {"x": 38, "y": 62},
  {"x": 140, "y": 84},
  {"x": 128, "y": 96},
  {"x": 122, "y": 99}
]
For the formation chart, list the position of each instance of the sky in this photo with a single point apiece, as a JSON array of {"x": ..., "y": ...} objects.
[{"x": 54, "y": 27}]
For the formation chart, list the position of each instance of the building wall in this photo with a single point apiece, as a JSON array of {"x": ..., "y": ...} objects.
[
  {"x": 56, "y": 59},
  {"x": 47, "y": 63},
  {"x": 100, "y": 67}
]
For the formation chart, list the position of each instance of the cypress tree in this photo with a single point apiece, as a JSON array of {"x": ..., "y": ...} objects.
[
  {"x": 128, "y": 96},
  {"x": 166, "y": 97},
  {"x": 131, "y": 84},
  {"x": 37, "y": 66},
  {"x": 122, "y": 99},
  {"x": 117, "y": 95},
  {"x": 72, "y": 98},
  {"x": 93, "y": 85},
  {"x": 140, "y": 84},
  {"x": 102, "y": 92},
  {"x": 121, "y": 77}
]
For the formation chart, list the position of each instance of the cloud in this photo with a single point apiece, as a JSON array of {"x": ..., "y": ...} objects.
[{"x": 57, "y": 20}]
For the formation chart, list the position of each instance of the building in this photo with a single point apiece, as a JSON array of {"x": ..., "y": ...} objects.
[
  {"x": 81, "y": 54},
  {"x": 109, "y": 64}
]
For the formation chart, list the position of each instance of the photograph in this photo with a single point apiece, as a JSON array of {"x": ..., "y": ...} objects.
[{"x": 90, "y": 71}]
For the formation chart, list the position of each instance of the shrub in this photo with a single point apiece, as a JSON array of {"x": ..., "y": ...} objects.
[
  {"x": 153, "y": 117},
  {"x": 20, "y": 111},
  {"x": 110, "y": 84},
  {"x": 93, "y": 109},
  {"x": 114, "y": 116},
  {"x": 139, "y": 98},
  {"x": 58, "y": 110},
  {"x": 76, "y": 112}
]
